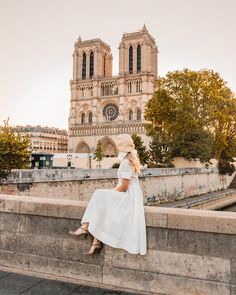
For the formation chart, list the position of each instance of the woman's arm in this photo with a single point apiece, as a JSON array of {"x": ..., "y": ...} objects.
[{"x": 124, "y": 185}]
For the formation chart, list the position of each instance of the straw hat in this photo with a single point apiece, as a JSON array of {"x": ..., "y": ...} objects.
[{"x": 125, "y": 143}]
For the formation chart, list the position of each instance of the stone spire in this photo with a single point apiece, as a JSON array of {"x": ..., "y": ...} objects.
[
  {"x": 79, "y": 39},
  {"x": 144, "y": 28}
]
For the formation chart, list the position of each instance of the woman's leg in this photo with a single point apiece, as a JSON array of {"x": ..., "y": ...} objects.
[
  {"x": 85, "y": 225},
  {"x": 82, "y": 229},
  {"x": 96, "y": 244}
]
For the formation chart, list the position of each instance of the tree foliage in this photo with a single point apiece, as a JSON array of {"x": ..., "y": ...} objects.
[
  {"x": 160, "y": 155},
  {"x": 194, "y": 114},
  {"x": 193, "y": 144},
  {"x": 141, "y": 149},
  {"x": 98, "y": 154},
  {"x": 14, "y": 150}
]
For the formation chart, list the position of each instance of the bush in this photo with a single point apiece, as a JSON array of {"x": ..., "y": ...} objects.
[
  {"x": 155, "y": 165},
  {"x": 225, "y": 167}
]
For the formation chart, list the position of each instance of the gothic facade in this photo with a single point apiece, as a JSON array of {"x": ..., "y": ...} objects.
[{"x": 103, "y": 106}]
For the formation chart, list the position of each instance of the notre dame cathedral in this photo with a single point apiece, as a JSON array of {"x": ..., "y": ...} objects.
[{"x": 102, "y": 105}]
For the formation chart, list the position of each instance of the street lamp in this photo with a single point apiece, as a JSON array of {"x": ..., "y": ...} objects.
[
  {"x": 69, "y": 157},
  {"x": 90, "y": 161}
]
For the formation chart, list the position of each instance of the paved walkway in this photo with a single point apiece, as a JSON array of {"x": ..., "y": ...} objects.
[
  {"x": 17, "y": 284},
  {"x": 191, "y": 201}
]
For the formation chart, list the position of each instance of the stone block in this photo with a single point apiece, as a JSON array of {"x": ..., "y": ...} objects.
[
  {"x": 59, "y": 268},
  {"x": 154, "y": 219},
  {"x": 50, "y": 226},
  {"x": 163, "y": 262},
  {"x": 202, "y": 243},
  {"x": 10, "y": 203},
  {"x": 126, "y": 278},
  {"x": 53, "y": 207},
  {"x": 233, "y": 270},
  {"x": 9, "y": 221},
  {"x": 222, "y": 245},
  {"x": 157, "y": 238},
  {"x": 200, "y": 220},
  {"x": 233, "y": 290},
  {"x": 181, "y": 286},
  {"x": 191, "y": 242},
  {"x": 70, "y": 249}
]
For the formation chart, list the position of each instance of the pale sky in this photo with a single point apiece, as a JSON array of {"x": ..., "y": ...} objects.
[{"x": 37, "y": 39}]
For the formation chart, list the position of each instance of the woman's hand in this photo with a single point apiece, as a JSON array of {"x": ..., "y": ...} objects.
[{"x": 124, "y": 185}]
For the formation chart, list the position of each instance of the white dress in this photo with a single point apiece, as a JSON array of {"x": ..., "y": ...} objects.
[{"x": 117, "y": 218}]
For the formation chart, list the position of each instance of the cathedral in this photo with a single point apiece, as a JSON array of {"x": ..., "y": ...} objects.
[{"x": 102, "y": 105}]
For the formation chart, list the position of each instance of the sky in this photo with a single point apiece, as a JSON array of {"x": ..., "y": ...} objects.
[{"x": 37, "y": 39}]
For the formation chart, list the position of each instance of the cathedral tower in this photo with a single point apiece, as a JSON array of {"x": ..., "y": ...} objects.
[
  {"x": 138, "y": 53},
  {"x": 91, "y": 59},
  {"x": 102, "y": 105}
]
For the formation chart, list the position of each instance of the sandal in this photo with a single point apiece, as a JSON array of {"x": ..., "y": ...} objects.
[
  {"x": 96, "y": 248},
  {"x": 76, "y": 233}
]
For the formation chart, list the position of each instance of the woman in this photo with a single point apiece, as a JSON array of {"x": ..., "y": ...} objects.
[{"x": 116, "y": 216}]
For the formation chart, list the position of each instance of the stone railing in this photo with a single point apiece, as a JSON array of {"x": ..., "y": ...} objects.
[
  {"x": 111, "y": 129},
  {"x": 189, "y": 251},
  {"x": 37, "y": 175},
  {"x": 158, "y": 185}
]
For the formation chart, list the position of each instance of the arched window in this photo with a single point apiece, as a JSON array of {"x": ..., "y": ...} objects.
[
  {"x": 104, "y": 65},
  {"x": 130, "y": 87},
  {"x": 91, "y": 91},
  {"x": 82, "y": 92},
  {"x": 82, "y": 118},
  {"x": 91, "y": 63},
  {"x": 90, "y": 117},
  {"x": 130, "y": 60},
  {"x": 84, "y": 67},
  {"x": 139, "y": 59},
  {"x": 138, "y": 115},
  {"x": 130, "y": 115}
]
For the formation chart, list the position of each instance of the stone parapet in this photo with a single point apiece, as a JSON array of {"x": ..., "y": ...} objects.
[
  {"x": 159, "y": 186},
  {"x": 38, "y": 175},
  {"x": 189, "y": 251}
]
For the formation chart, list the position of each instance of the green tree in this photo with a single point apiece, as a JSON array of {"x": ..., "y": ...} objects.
[
  {"x": 195, "y": 111},
  {"x": 160, "y": 153},
  {"x": 98, "y": 154},
  {"x": 141, "y": 149},
  {"x": 192, "y": 144},
  {"x": 226, "y": 160},
  {"x": 14, "y": 150}
]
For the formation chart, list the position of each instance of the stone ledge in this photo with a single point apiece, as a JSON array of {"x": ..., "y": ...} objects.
[{"x": 172, "y": 218}]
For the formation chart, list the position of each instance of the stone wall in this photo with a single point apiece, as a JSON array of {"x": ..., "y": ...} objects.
[
  {"x": 189, "y": 251},
  {"x": 162, "y": 185}
]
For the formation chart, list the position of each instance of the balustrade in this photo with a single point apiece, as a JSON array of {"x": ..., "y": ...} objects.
[{"x": 111, "y": 129}]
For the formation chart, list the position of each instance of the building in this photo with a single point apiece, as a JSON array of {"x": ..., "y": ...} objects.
[
  {"x": 46, "y": 139},
  {"x": 103, "y": 106},
  {"x": 41, "y": 160}
]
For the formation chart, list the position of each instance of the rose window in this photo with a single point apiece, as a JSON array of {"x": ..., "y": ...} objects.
[{"x": 110, "y": 111}]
